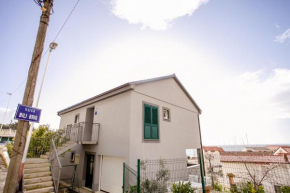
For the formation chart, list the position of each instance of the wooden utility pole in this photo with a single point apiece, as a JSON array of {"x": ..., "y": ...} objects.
[{"x": 11, "y": 182}]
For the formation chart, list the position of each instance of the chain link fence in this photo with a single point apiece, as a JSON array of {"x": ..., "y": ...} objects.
[{"x": 248, "y": 172}]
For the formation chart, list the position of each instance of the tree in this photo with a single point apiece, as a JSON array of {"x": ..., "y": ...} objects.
[
  {"x": 41, "y": 140},
  {"x": 258, "y": 176},
  {"x": 214, "y": 170}
]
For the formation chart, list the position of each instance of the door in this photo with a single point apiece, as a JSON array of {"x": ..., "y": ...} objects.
[
  {"x": 90, "y": 171},
  {"x": 89, "y": 124},
  {"x": 112, "y": 174}
]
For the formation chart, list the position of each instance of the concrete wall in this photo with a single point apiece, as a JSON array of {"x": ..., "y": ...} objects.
[
  {"x": 176, "y": 136},
  {"x": 113, "y": 114}
]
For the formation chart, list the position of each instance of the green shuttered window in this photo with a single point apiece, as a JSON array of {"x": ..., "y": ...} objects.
[{"x": 151, "y": 127}]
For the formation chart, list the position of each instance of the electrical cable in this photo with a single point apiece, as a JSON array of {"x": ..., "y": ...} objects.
[{"x": 66, "y": 20}]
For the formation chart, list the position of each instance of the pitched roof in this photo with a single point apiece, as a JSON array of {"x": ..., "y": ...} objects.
[
  {"x": 266, "y": 159},
  {"x": 133, "y": 83},
  {"x": 285, "y": 148},
  {"x": 213, "y": 149},
  {"x": 273, "y": 147},
  {"x": 259, "y": 148},
  {"x": 246, "y": 153}
]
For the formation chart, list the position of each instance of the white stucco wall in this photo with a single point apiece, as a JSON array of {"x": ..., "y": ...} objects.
[
  {"x": 176, "y": 136},
  {"x": 113, "y": 114}
]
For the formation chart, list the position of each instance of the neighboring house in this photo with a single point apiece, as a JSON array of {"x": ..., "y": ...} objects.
[
  {"x": 257, "y": 149},
  {"x": 212, "y": 160},
  {"x": 272, "y": 171},
  {"x": 282, "y": 150},
  {"x": 148, "y": 119},
  {"x": 7, "y": 134},
  {"x": 273, "y": 148}
]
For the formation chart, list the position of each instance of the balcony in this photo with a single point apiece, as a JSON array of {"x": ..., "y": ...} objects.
[{"x": 83, "y": 133}]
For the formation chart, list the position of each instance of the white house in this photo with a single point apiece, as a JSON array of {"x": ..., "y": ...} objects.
[
  {"x": 282, "y": 150},
  {"x": 147, "y": 119}
]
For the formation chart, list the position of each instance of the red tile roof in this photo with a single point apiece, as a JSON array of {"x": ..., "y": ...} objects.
[
  {"x": 255, "y": 158},
  {"x": 213, "y": 148},
  {"x": 286, "y": 148}
]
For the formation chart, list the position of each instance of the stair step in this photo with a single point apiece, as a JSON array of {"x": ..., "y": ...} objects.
[
  {"x": 35, "y": 161},
  {"x": 40, "y": 165},
  {"x": 44, "y": 156},
  {"x": 37, "y": 180},
  {"x": 38, "y": 185},
  {"x": 47, "y": 153},
  {"x": 35, "y": 175},
  {"x": 42, "y": 190},
  {"x": 36, "y": 170}
]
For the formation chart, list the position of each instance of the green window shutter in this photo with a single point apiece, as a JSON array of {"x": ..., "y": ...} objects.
[{"x": 151, "y": 128}]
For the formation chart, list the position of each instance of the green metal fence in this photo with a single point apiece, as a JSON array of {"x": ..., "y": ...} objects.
[
  {"x": 131, "y": 179},
  {"x": 158, "y": 176}
]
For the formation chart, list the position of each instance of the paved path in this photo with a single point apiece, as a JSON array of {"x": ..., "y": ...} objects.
[{"x": 3, "y": 173}]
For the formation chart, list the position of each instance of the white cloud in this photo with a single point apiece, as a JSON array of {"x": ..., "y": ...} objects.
[
  {"x": 283, "y": 37},
  {"x": 154, "y": 14},
  {"x": 9, "y": 115},
  {"x": 247, "y": 104}
]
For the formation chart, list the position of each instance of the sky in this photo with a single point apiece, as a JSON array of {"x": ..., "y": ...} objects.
[{"x": 233, "y": 57}]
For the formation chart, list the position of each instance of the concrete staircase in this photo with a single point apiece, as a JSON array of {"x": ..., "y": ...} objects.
[{"x": 37, "y": 176}]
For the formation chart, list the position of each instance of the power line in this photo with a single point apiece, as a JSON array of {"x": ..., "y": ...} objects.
[{"x": 66, "y": 19}]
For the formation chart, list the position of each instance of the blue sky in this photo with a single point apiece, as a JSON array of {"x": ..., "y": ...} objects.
[{"x": 232, "y": 56}]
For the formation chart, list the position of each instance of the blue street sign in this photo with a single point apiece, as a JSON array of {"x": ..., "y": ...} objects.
[{"x": 27, "y": 113}]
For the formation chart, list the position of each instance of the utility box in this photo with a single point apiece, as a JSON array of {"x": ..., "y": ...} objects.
[{"x": 77, "y": 158}]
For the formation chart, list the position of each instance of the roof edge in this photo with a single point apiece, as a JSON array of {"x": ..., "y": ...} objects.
[{"x": 133, "y": 83}]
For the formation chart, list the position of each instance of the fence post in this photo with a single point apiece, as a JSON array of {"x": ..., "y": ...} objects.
[
  {"x": 123, "y": 177},
  {"x": 138, "y": 176},
  {"x": 201, "y": 172}
]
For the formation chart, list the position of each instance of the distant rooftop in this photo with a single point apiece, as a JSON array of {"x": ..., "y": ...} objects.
[
  {"x": 213, "y": 149},
  {"x": 281, "y": 159},
  {"x": 258, "y": 148}
]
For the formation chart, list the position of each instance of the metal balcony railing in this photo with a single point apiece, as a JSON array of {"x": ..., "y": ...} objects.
[{"x": 83, "y": 132}]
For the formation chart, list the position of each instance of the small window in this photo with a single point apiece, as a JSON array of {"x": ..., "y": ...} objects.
[
  {"x": 77, "y": 118},
  {"x": 72, "y": 156},
  {"x": 151, "y": 127},
  {"x": 166, "y": 114}
]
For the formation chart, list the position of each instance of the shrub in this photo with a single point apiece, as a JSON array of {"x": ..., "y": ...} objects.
[
  {"x": 247, "y": 187},
  {"x": 217, "y": 186},
  {"x": 132, "y": 189},
  {"x": 160, "y": 184},
  {"x": 9, "y": 148},
  {"x": 285, "y": 189},
  {"x": 182, "y": 188}
]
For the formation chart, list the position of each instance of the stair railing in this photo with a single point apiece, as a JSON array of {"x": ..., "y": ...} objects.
[{"x": 55, "y": 165}]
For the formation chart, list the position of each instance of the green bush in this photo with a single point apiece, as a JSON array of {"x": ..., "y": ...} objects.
[
  {"x": 182, "y": 188},
  {"x": 160, "y": 184},
  {"x": 132, "y": 189},
  {"x": 247, "y": 187},
  {"x": 285, "y": 189},
  {"x": 217, "y": 186},
  {"x": 9, "y": 148}
]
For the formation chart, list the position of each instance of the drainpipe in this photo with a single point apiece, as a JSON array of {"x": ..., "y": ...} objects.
[
  {"x": 201, "y": 156},
  {"x": 100, "y": 173}
]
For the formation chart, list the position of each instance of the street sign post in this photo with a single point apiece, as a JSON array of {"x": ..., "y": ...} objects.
[{"x": 26, "y": 113}]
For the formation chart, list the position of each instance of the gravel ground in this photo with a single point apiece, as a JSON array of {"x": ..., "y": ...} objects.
[{"x": 3, "y": 173}]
